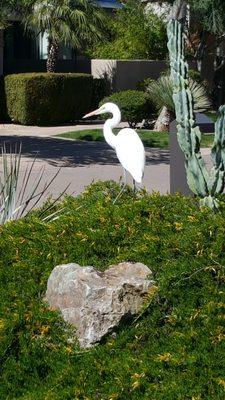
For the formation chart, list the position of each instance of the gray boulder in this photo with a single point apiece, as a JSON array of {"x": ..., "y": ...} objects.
[{"x": 95, "y": 302}]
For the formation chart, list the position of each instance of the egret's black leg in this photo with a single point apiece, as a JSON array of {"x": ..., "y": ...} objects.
[
  {"x": 124, "y": 177},
  {"x": 135, "y": 188}
]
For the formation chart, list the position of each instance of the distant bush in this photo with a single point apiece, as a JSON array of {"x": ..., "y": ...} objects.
[
  {"x": 132, "y": 34},
  {"x": 43, "y": 98},
  {"x": 195, "y": 75},
  {"x": 135, "y": 105},
  {"x": 143, "y": 84}
]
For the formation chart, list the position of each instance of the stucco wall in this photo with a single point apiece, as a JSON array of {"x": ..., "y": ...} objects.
[{"x": 125, "y": 74}]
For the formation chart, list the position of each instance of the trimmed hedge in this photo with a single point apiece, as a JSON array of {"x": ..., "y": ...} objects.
[
  {"x": 43, "y": 98},
  {"x": 175, "y": 350},
  {"x": 101, "y": 89},
  {"x": 135, "y": 105}
]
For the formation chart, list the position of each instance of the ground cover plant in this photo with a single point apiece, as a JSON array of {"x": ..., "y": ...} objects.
[
  {"x": 149, "y": 138},
  {"x": 174, "y": 350}
]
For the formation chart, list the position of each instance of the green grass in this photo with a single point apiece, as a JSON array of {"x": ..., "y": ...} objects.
[
  {"x": 149, "y": 138},
  {"x": 213, "y": 115},
  {"x": 176, "y": 350}
]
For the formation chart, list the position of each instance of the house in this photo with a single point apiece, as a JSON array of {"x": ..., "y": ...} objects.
[
  {"x": 109, "y": 4},
  {"x": 27, "y": 52}
]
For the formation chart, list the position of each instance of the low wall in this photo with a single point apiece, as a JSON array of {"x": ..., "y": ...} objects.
[
  {"x": 13, "y": 66},
  {"x": 126, "y": 74}
]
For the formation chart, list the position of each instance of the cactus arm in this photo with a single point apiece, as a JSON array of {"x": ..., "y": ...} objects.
[
  {"x": 182, "y": 96},
  {"x": 217, "y": 176},
  {"x": 202, "y": 183},
  {"x": 188, "y": 134}
]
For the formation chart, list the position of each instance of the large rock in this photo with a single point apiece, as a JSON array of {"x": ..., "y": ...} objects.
[{"x": 95, "y": 302}]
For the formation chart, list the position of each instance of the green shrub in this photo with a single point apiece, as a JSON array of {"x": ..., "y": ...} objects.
[
  {"x": 3, "y": 110},
  {"x": 101, "y": 89},
  {"x": 143, "y": 84},
  {"x": 135, "y": 105},
  {"x": 43, "y": 98},
  {"x": 195, "y": 75},
  {"x": 175, "y": 350}
]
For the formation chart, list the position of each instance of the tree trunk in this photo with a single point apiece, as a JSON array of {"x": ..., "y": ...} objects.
[
  {"x": 199, "y": 55},
  {"x": 178, "y": 10},
  {"x": 53, "y": 51},
  {"x": 164, "y": 119}
]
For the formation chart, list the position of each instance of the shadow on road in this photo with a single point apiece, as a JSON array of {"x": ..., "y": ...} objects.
[{"x": 68, "y": 153}]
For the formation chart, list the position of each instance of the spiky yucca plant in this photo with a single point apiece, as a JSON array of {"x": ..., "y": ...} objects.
[
  {"x": 20, "y": 192},
  {"x": 161, "y": 94}
]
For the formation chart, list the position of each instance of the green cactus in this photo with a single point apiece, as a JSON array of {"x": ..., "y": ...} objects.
[{"x": 202, "y": 183}]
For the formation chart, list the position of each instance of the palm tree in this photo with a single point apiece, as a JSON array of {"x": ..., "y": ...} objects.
[
  {"x": 72, "y": 22},
  {"x": 3, "y": 17}
]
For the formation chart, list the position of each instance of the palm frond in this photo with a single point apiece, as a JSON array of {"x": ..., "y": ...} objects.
[{"x": 67, "y": 21}]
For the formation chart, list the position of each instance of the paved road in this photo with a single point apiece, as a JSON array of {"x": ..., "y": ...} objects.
[{"x": 81, "y": 162}]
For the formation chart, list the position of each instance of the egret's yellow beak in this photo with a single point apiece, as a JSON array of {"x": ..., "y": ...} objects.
[{"x": 95, "y": 112}]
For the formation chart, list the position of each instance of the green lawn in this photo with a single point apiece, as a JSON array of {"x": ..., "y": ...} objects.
[{"x": 149, "y": 138}]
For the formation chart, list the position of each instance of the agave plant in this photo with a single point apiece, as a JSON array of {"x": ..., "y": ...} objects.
[
  {"x": 16, "y": 200},
  {"x": 161, "y": 94}
]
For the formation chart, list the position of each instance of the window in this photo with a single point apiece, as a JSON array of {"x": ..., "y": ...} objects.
[
  {"x": 65, "y": 52},
  {"x": 43, "y": 46}
]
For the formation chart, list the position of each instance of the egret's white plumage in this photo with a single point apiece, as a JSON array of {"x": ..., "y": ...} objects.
[
  {"x": 130, "y": 152},
  {"x": 127, "y": 144}
]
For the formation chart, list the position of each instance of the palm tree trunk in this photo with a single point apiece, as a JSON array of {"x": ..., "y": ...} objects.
[
  {"x": 164, "y": 119},
  {"x": 178, "y": 10},
  {"x": 53, "y": 51}
]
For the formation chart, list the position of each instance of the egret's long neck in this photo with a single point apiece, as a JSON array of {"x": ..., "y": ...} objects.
[{"x": 109, "y": 125}]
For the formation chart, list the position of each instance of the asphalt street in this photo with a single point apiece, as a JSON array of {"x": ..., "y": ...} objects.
[{"x": 80, "y": 162}]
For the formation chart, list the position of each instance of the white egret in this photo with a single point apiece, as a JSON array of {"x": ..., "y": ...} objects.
[{"x": 127, "y": 144}]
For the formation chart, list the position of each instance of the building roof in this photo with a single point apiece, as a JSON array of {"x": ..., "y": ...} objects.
[{"x": 109, "y": 3}]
